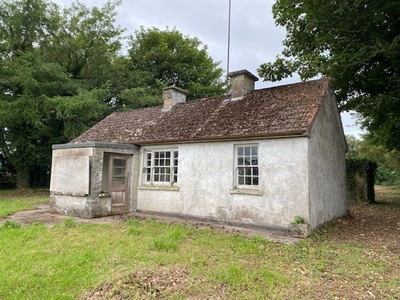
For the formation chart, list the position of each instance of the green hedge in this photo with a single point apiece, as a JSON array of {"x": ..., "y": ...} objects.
[{"x": 360, "y": 169}]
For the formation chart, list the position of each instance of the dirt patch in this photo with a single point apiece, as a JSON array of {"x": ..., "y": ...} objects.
[
  {"x": 151, "y": 284},
  {"x": 375, "y": 224}
]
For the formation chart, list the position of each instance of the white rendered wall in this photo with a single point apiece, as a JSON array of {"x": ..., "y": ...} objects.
[
  {"x": 206, "y": 178},
  {"x": 327, "y": 150}
]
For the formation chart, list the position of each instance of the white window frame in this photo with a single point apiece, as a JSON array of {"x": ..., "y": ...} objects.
[
  {"x": 160, "y": 166},
  {"x": 247, "y": 168}
]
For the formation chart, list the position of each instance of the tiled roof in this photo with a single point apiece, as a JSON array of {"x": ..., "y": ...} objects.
[{"x": 277, "y": 111}]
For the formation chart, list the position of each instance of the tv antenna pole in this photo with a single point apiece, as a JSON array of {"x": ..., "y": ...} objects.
[{"x": 229, "y": 47}]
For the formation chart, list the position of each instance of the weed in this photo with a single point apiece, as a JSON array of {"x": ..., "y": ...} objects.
[
  {"x": 132, "y": 222},
  {"x": 273, "y": 278},
  {"x": 232, "y": 275},
  {"x": 134, "y": 231},
  {"x": 259, "y": 239},
  {"x": 165, "y": 244},
  {"x": 170, "y": 240},
  {"x": 10, "y": 224},
  {"x": 299, "y": 220},
  {"x": 320, "y": 265},
  {"x": 69, "y": 222}
]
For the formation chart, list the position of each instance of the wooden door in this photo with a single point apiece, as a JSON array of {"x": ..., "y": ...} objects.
[{"x": 119, "y": 179}]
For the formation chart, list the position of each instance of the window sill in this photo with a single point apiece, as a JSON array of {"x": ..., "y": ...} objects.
[
  {"x": 254, "y": 192},
  {"x": 159, "y": 187},
  {"x": 70, "y": 194}
]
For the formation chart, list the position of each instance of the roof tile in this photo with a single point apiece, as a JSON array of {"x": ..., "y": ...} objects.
[{"x": 281, "y": 110}]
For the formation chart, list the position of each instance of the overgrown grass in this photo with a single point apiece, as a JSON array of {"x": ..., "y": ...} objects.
[
  {"x": 12, "y": 201},
  {"x": 69, "y": 259}
]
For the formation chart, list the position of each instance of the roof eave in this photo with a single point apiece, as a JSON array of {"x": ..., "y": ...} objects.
[{"x": 289, "y": 134}]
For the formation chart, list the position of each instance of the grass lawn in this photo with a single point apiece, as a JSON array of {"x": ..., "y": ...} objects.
[
  {"x": 12, "y": 201},
  {"x": 147, "y": 259}
]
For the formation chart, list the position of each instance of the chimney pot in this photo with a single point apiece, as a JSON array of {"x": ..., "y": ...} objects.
[
  {"x": 242, "y": 83},
  {"x": 173, "y": 95}
]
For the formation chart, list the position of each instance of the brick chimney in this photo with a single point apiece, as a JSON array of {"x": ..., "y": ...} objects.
[
  {"x": 242, "y": 83},
  {"x": 172, "y": 96}
]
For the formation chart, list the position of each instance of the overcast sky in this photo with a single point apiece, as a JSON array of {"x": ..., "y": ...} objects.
[{"x": 255, "y": 38}]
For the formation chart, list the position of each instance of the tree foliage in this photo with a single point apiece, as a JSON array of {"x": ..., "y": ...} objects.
[
  {"x": 388, "y": 161},
  {"x": 357, "y": 43},
  {"x": 167, "y": 57},
  {"x": 62, "y": 70},
  {"x": 41, "y": 101}
]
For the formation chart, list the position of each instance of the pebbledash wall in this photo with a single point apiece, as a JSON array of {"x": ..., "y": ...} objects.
[
  {"x": 206, "y": 184},
  {"x": 299, "y": 176},
  {"x": 327, "y": 164},
  {"x": 76, "y": 185}
]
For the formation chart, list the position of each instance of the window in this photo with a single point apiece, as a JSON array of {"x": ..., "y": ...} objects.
[
  {"x": 247, "y": 174},
  {"x": 118, "y": 171},
  {"x": 161, "y": 167}
]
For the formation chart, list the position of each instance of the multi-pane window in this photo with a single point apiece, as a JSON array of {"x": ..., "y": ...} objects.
[
  {"x": 247, "y": 174},
  {"x": 118, "y": 171},
  {"x": 161, "y": 166}
]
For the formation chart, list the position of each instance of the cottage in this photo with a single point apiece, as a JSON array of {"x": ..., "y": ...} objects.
[{"x": 256, "y": 157}]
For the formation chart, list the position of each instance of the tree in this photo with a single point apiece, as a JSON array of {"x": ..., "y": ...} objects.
[
  {"x": 41, "y": 101},
  {"x": 357, "y": 43},
  {"x": 164, "y": 58},
  {"x": 387, "y": 161},
  {"x": 87, "y": 42}
]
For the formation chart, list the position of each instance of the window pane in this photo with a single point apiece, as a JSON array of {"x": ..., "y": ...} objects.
[
  {"x": 167, "y": 162},
  {"x": 156, "y": 154},
  {"x": 255, "y": 171},
  {"x": 247, "y": 160},
  {"x": 175, "y": 154},
  {"x": 162, "y": 162},
  {"x": 247, "y": 171},
  {"x": 247, "y": 180},
  {"x": 255, "y": 180},
  {"x": 241, "y": 180},
  {"x": 240, "y": 161},
  {"x": 247, "y": 150},
  {"x": 175, "y": 178},
  {"x": 167, "y": 178},
  {"x": 162, "y": 177},
  {"x": 175, "y": 162},
  {"x": 254, "y": 161},
  {"x": 156, "y": 163},
  {"x": 156, "y": 177},
  {"x": 241, "y": 171},
  {"x": 240, "y": 151},
  {"x": 148, "y": 155},
  {"x": 119, "y": 162},
  {"x": 168, "y": 154},
  {"x": 254, "y": 150},
  {"x": 118, "y": 171},
  {"x": 148, "y": 177}
]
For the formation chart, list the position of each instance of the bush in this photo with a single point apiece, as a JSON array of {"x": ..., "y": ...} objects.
[{"x": 360, "y": 180}]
